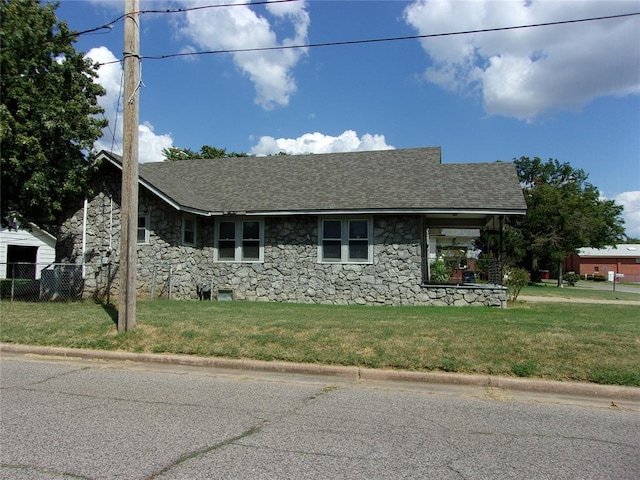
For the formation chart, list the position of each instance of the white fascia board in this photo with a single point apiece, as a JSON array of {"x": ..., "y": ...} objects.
[
  {"x": 390, "y": 211},
  {"x": 44, "y": 232}
]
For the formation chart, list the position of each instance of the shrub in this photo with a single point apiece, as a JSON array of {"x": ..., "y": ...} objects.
[
  {"x": 439, "y": 272},
  {"x": 514, "y": 280},
  {"x": 572, "y": 279}
]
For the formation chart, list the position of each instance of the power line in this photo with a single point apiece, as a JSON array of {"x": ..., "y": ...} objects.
[
  {"x": 115, "y": 121},
  {"x": 380, "y": 40},
  {"x": 110, "y": 25},
  {"x": 388, "y": 39},
  {"x": 106, "y": 26},
  {"x": 203, "y": 7}
]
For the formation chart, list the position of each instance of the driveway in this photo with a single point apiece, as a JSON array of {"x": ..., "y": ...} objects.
[{"x": 533, "y": 298}]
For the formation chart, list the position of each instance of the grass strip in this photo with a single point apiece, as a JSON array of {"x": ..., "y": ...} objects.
[{"x": 571, "y": 342}]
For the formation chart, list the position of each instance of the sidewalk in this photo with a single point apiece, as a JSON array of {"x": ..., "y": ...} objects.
[
  {"x": 605, "y": 392},
  {"x": 531, "y": 298}
]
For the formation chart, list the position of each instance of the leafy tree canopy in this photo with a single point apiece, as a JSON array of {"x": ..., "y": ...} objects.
[
  {"x": 48, "y": 114},
  {"x": 564, "y": 213},
  {"x": 174, "y": 154}
]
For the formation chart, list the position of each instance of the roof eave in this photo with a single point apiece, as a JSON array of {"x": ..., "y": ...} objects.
[
  {"x": 159, "y": 193},
  {"x": 379, "y": 211}
]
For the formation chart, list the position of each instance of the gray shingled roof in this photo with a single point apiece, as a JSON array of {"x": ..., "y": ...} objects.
[{"x": 387, "y": 180}]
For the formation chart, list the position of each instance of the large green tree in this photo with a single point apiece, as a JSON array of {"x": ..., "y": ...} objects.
[
  {"x": 564, "y": 213},
  {"x": 48, "y": 115}
]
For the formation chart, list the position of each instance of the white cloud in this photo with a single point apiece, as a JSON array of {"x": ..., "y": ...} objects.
[
  {"x": 240, "y": 27},
  {"x": 631, "y": 214},
  {"x": 527, "y": 72},
  {"x": 317, "y": 142},
  {"x": 110, "y": 77},
  {"x": 150, "y": 145}
]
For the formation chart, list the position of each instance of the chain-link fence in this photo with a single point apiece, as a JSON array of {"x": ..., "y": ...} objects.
[
  {"x": 68, "y": 282},
  {"x": 34, "y": 282}
]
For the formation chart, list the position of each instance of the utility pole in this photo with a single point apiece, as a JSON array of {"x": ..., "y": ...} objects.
[{"x": 129, "y": 203}]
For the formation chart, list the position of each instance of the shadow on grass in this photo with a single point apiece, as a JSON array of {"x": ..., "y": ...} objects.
[{"x": 111, "y": 310}]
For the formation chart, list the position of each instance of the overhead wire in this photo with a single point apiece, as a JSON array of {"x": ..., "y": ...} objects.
[
  {"x": 106, "y": 26},
  {"x": 380, "y": 40},
  {"x": 203, "y": 7},
  {"x": 388, "y": 39},
  {"x": 110, "y": 24},
  {"x": 115, "y": 121}
]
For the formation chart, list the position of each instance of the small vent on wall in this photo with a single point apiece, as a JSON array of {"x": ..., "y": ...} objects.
[{"x": 225, "y": 295}]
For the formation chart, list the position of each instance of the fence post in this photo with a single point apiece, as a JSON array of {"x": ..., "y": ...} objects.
[
  {"x": 109, "y": 283},
  {"x": 12, "y": 286},
  {"x": 170, "y": 279},
  {"x": 153, "y": 282}
]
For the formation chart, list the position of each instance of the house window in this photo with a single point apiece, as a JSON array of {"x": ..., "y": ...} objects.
[
  {"x": 143, "y": 228},
  {"x": 345, "y": 240},
  {"x": 596, "y": 269},
  {"x": 189, "y": 230},
  {"x": 240, "y": 241}
]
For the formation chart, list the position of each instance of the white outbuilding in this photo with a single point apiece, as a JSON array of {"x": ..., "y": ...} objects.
[{"x": 25, "y": 252}]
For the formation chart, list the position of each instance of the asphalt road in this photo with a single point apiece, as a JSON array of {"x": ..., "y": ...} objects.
[{"x": 80, "y": 419}]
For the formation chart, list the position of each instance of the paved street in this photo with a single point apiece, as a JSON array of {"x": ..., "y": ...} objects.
[{"x": 70, "y": 419}]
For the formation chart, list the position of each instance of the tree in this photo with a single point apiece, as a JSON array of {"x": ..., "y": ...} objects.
[
  {"x": 174, "y": 154},
  {"x": 509, "y": 245},
  {"x": 48, "y": 114},
  {"x": 564, "y": 213}
]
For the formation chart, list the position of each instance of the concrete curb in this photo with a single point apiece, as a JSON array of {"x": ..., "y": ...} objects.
[{"x": 608, "y": 392}]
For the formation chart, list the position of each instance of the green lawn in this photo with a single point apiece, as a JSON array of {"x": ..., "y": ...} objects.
[{"x": 573, "y": 342}]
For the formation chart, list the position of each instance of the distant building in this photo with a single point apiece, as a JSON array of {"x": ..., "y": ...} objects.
[{"x": 623, "y": 260}]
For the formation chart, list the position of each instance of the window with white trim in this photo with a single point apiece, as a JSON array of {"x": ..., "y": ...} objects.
[
  {"x": 143, "y": 228},
  {"x": 189, "y": 230},
  {"x": 345, "y": 240},
  {"x": 239, "y": 240}
]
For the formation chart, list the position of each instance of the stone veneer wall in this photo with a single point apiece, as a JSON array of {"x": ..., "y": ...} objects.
[{"x": 290, "y": 271}]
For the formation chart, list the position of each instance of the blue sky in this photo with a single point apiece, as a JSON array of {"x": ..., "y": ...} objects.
[{"x": 569, "y": 92}]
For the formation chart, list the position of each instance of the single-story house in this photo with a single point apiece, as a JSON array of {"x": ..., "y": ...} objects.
[
  {"x": 339, "y": 228},
  {"x": 622, "y": 261},
  {"x": 24, "y": 252}
]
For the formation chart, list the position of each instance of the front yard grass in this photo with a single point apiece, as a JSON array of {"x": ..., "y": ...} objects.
[{"x": 566, "y": 341}]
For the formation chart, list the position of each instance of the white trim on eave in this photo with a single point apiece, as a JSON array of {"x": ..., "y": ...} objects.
[{"x": 372, "y": 211}]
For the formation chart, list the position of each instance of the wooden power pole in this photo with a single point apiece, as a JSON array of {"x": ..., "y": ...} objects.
[{"x": 129, "y": 203}]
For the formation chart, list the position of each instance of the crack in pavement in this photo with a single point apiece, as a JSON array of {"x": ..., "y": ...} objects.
[
  {"x": 102, "y": 397},
  {"x": 45, "y": 380},
  {"x": 542, "y": 435},
  {"x": 237, "y": 439},
  {"x": 47, "y": 471},
  {"x": 203, "y": 451}
]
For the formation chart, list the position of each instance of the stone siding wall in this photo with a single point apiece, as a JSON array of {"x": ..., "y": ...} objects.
[{"x": 290, "y": 271}]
